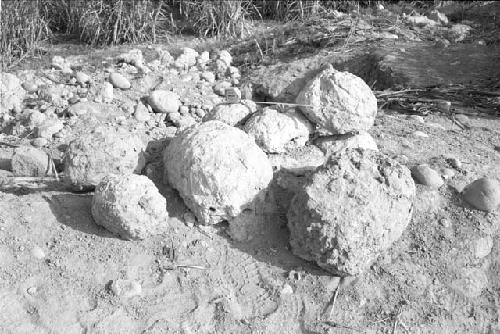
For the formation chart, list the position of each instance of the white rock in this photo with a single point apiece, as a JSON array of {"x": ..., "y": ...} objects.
[
  {"x": 141, "y": 113},
  {"x": 225, "y": 56},
  {"x": 39, "y": 142},
  {"x": 203, "y": 58},
  {"x": 106, "y": 92},
  {"x": 437, "y": 16},
  {"x": 129, "y": 206},
  {"x": 48, "y": 128},
  {"x": 92, "y": 156},
  {"x": 350, "y": 210},
  {"x": 82, "y": 78},
  {"x": 482, "y": 247},
  {"x": 163, "y": 101},
  {"x": 119, "y": 81},
  {"x": 334, "y": 144},
  {"x": 231, "y": 114},
  {"x": 59, "y": 63},
  {"x": 218, "y": 170},
  {"x": 276, "y": 132},
  {"x": 126, "y": 288},
  {"x": 186, "y": 59},
  {"x": 11, "y": 93},
  {"x": 338, "y": 102},
  {"x": 208, "y": 76},
  {"x": 420, "y": 21},
  {"x": 420, "y": 134}
]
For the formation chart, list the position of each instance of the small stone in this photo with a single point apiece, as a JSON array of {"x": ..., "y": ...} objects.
[
  {"x": 482, "y": 247},
  {"x": 427, "y": 176},
  {"x": 220, "y": 87},
  {"x": 183, "y": 110},
  {"x": 445, "y": 223},
  {"x": 48, "y": 128},
  {"x": 141, "y": 113},
  {"x": 208, "y": 76},
  {"x": 39, "y": 142},
  {"x": 483, "y": 194},
  {"x": 37, "y": 252},
  {"x": 82, "y": 78},
  {"x": 455, "y": 162},
  {"x": 420, "y": 134},
  {"x": 447, "y": 173},
  {"x": 225, "y": 56},
  {"x": 31, "y": 291},
  {"x": 106, "y": 92},
  {"x": 163, "y": 101},
  {"x": 287, "y": 290},
  {"x": 189, "y": 218},
  {"x": 126, "y": 288},
  {"x": 119, "y": 81}
]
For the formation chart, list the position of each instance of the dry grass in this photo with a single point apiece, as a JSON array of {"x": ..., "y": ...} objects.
[{"x": 23, "y": 25}]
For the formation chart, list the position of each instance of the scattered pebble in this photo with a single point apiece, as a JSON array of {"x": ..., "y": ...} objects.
[{"x": 32, "y": 291}]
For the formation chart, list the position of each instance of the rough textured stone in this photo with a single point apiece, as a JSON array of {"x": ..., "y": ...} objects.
[
  {"x": 225, "y": 56},
  {"x": 119, "y": 81},
  {"x": 129, "y": 206},
  {"x": 483, "y": 194},
  {"x": 427, "y": 176},
  {"x": 11, "y": 93},
  {"x": 339, "y": 102},
  {"x": 105, "y": 151},
  {"x": 232, "y": 114},
  {"x": 82, "y": 78},
  {"x": 6, "y": 154},
  {"x": 334, "y": 144},
  {"x": 164, "y": 101},
  {"x": 276, "y": 132},
  {"x": 30, "y": 161},
  {"x": 351, "y": 209},
  {"x": 218, "y": 170}
]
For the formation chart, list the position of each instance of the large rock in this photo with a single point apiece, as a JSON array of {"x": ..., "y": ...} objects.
[
  {"x": 186, "y": 59},
  {"x": 105, "y": 151},
  {"x": 218, "y": 170},
  {"x": 338, "y": 102},
  {"x": 427, "y": 176},
  {"x": 30, "y": 161},
  {"x": 276, "y": 132},
  {"x": 351, "y": 209},
  {"x": 483, "y": 194},
  {"x": 164, "y": 101},
  {"x": 11, "y": 93},
  {"x": 333, "y": 144},
  {"x": 119, "y": 81},
  {"x": 129, "y": 206},
  {"x": 232, "y": 114}
]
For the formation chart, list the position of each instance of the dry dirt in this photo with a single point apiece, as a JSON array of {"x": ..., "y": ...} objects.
[{"x": 57, "y": 265}]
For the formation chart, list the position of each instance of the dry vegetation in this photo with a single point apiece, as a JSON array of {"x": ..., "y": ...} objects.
[{"x": 101, "y": 22}]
